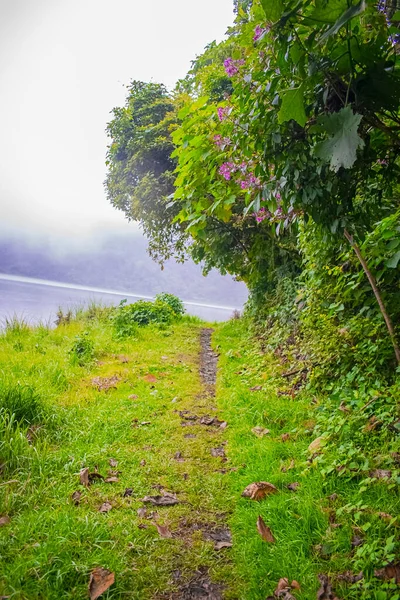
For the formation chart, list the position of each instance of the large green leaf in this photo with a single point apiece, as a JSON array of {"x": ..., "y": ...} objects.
[
  {"x": 349, "y": 14},
  {"x": 328, "y": 11},
  {"x": 292, "y": 107},
  {"x": 340, "y": 150},
  {"x": 273, "y": 9},
  {"x": 393, "y": 262}
]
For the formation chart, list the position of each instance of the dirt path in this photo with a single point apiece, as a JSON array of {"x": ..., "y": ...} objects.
[{"x": 199, "y": 417}]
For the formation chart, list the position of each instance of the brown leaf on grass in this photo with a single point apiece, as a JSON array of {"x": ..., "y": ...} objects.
[
  {"x": 84, "y": 476},
  {"x": 165, "y": 500},
  {"x": 221, "y": 545},
  {"x": 5, "y": 520},
  {"x": 283, "y": 589},
  {"x": 189, "y": 436},
  {"x": 105, "y": 507},
  {"x": 142, "y": 463},
  {"x": 217, "y": 452},
  {"x": 285, "y": 437},
  {"x": 293, "y": 486},
  {"x": 260, "y": 431},
  {"x": 149, "y": 378},
  {"x": 76, "y": 497},
  {"x": 128, "y": 492},
  {"x": 105, "y": 383},
  {"x": 111, "y": 480},
  {"x": 380, "y": 474},
  {"x": 163, "y": 531},
  {"x": 256, "y": 388},
  {"x": 112, "y": 462},
  {"x": 258, "y": 490},
  {"x": 356, "y": 541},
  {"x": 100, "y": 581},
  {"x": 391, "y": 571},
  {"x": 350, "y": 577},
  {"x": 264, "y": 531},
  {"x": 206, "y": 420},
  {"x": 315, "y": 445},
  {"x": 178, "y": 457},
  {"x": 133, "y": 397},
  {"x": 142, "y": 513},
  {"x": 223, "y": 425},
  {"x": 325, "y": 590},
  {"x": 333, "y": 497},
  {"x": 385, "y": 516},
  {"x": 187, "y": 415},
  {"x": 93, "y": 476}
]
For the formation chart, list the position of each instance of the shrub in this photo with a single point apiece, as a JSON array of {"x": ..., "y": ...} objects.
[
  {"x": 127, "y": 317},
  {"x": 82, "y": 351},
  {"x": 173, "y": 302}
]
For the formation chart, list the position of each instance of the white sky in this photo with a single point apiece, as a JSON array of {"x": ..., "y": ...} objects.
[{"x": 63, "y": 64}]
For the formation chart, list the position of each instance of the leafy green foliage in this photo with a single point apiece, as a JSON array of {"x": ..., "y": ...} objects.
[
  {"x": 341, "y": 149},
  {"x": 21, "y": 403},
  {"x": 82, "y": 350},
  {"x": 173, "y": 302}
]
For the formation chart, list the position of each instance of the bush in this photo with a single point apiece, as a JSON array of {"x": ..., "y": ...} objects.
[
  {"x": 82, "y": 351},
  {"x": 127, "y": 317},
  {"x": 173, "y": 302}
]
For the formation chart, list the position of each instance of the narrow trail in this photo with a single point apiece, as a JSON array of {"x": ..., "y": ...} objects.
[{"x": 200, "y": 418}]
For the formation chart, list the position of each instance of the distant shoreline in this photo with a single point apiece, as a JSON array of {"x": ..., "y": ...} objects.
[{"x": 75, "y": 286}]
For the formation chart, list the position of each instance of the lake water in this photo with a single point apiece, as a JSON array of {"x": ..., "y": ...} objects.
[{"x": 38, "y": 300}]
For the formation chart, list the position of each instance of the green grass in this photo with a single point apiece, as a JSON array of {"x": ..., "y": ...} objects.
[{"x": 54, "y": 421}]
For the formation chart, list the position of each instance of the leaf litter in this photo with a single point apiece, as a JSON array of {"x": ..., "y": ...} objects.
[
  {"x": 265, "y": 531},
  {"x": 259, "y": 490},
  {"x": 99, "y": 582}
]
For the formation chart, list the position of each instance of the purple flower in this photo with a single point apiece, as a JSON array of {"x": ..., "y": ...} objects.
[
  {"x": 261, "y": 215},
  {"x": 259, "y": 32},
  {"x": 223, "y": 112},
  {"x": 226, "y": 170},
  {"x": 231, "y": 66}
]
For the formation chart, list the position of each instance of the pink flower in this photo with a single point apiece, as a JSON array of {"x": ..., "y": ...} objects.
[
  {"x": 231, "y": 66},
  {"x": 226, "y": 170},
  {"x": 223, "y": 112},
  {"x": 259, "y": 32}
]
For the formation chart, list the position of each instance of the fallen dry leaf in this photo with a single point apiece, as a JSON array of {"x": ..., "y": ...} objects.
[
  {"x": 283, "y": 589},
  {"x": 264, "y": 531},
  {"x": 112, "y": 462},
  {"x": 223, "y": 425},
  {"x": 256, "y": 388},
  {"x": 285, "y": 468},
  {"x": 350, "y": 577},
  {"x": 150, "y": 378},
  {"x": 105, "y": 383},
  {"x": 100, "y": 581},
  {"x": 258, "y": 490},
  {"x": 385, "y": 516},
  {"x": 76, "y": 497},
  {"x": 381, "y": 474},
  {"x": 163, "y": 531},
  {"x": 142, "y": 513},
  {"x": 221, "y": 545},
  {"x": 293, "y": 486},
  {"x": 142, "y": 463},
  {"x": 128, "y": 492},
  {"x": 5, "y": 520},
  {"x": 105, "y": 507},
  {"x": 325, "y": 591},
  {"x": 315, "y": 445},
  {"x": 206, "y": 420},
  {"x": 391, "y": 571},
  {"x": 285, "y": 437},
  {"x": 260, "y": 431},
  {"x": 111, "y": 480},
  {"x": 189, "y": 436},
  {"x": 165, "y": 500},
  {"x": 133, "y": 397},
  {"x": 217, "y": 452},
  {"x": 84, "y": 477},
  {"x": 178, "y": 457}
]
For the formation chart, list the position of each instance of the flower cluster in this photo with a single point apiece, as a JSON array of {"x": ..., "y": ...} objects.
[
  {"x": 250, "y": 182},
  {"x": 262, "y": 214},
  {"x": 226, "y": 170},
  {"x": 259, "y": 32},
  {"x": 221, "y": 142},
  {"x": 232, "y": 66},
  {"x": 223, "y": 112}
]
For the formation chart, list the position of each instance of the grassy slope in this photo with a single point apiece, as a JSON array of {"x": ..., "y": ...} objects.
[
  {"x": 50, "y": 546},
  {"x": 313, "y": 533}
]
